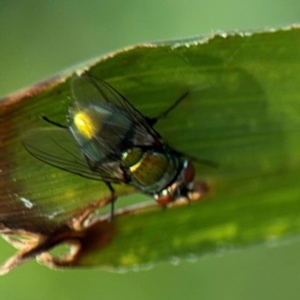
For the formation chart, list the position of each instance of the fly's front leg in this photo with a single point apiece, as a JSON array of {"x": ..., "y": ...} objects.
[{"x": 153, "y": 121}]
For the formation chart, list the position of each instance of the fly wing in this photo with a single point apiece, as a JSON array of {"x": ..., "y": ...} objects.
[
  {"x": 87, "y": 89},
  {"x": 57, "y": 147}
]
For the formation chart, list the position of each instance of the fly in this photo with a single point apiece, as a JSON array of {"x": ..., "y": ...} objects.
[{"x": 107, "y": 139}]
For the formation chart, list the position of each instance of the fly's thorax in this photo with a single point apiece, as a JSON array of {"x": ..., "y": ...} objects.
[
  {"x": 181, "y": 187},
  {"x": 150, "y": 170},
  {"x": 95, "y": 127}
]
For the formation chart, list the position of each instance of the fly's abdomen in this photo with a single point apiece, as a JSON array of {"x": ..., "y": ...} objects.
[
  {"x": 98, "y": 130},
  {"x": 150, "y": 171}
]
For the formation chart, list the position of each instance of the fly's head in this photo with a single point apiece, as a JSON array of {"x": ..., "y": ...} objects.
[{"x": 182, "y": 187}]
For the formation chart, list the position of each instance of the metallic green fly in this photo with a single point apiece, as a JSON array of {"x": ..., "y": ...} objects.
[{"x": 107, "y": 139}]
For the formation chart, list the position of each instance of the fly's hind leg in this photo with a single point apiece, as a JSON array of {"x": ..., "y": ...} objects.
[{"x": 53, "y": 122}]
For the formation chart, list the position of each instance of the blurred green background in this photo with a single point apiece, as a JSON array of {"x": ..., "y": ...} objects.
[{"x": 41, "y": 38}]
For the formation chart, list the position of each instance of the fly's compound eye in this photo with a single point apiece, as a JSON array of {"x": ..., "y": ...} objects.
[
  {"x": 164, "y": 198},
  {"x": 189, "y": 172},
  {"x": 181, "y": 188}
]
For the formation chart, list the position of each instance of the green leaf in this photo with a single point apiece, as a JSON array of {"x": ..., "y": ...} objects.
[{"x": 242, "y": 112}]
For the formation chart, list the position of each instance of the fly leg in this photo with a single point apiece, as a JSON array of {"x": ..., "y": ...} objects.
[
  {"x": 153, "y": 121},
  {"x": 113, "y": 196},
  {"x": 113, "y": 199},
  {"x": 112, "y": 191},
  {"x": 201, "y": 161},
  {"x": 53, "y": 122}
]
